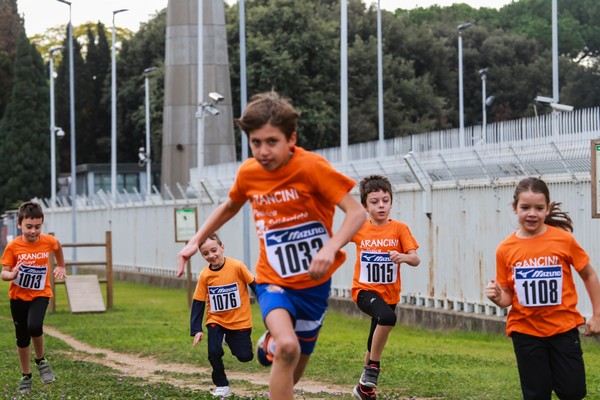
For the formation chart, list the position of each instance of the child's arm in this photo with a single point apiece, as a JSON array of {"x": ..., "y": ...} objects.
[
  {"x": 499, "y": 295},
  {"x": 354, "y": 219},
  {"x": 410, "y": 257},
  {"x": 196, "y": 320},
  {"x": 8, "y": 274},
  {"x": 59, "y": 270},
  {"x": 592, "y": 285},
  {"x": 223, "y": 213}
]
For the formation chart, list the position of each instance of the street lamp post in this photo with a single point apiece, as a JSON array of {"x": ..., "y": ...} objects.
[
  {"x": 483, "y": 73},
  {"x": 72, "y": 135},
  {"x": 461, "y": 138},
  {"x": 148, "y": 159},
  {"x": 204, "y": 107},
  {"x": 380, "y": 81},
  {"x": 113, "y": 120},
  {"x": 53, "y": 130}
]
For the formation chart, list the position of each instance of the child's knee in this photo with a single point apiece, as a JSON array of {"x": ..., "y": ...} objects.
[
  {"x": 387, "y": 319},
  {"x": 287, "y": 349},
  {"x": 245, "y": 357}
]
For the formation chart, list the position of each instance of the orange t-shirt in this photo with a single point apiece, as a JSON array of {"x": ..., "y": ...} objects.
[
  {"x": 226, "y": 295},
  {"x": 538, "y": 271},
  {"x": 34, "y": 275},
  {"x": 293, "y": 209},
  {"x": 374, "y": 270}
]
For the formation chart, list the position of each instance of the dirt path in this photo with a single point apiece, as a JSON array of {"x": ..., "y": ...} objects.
[{"x": 147, "y": 368}]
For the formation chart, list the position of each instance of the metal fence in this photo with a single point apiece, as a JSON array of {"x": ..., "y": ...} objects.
[{"x": 455, "y": 200}]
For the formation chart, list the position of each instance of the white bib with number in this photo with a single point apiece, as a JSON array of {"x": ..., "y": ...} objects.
[
  {"x": 377, "y": 268},
  {"x": 224, "y": 298},
  {"x": 290, "y": 250},
  {"x": 33, "y": 278},
  {"x": 539, "y": 286}
]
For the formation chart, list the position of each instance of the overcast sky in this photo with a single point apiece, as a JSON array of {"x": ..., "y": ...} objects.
[{"x": 42, "y": 14}]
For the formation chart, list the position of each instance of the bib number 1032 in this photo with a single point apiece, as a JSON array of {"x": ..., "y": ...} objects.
[
  {"x": 291, "y": 250},
  {"x": 539, "y": 286}
]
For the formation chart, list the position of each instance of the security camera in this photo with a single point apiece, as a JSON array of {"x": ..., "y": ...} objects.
[
  {"x": 142, "y": 154},
  {"x": 59, "y": 132},
  {"x": 216, "y": 96},
  {"x": 483, "y": 71},
  {"x": 489, "y": 101},
  {"x": 561, "y": 107},
  {"x": 212, "y": 110}
]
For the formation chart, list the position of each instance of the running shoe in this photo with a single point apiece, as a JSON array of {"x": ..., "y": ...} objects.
[
  {"x": 360, "y": 394},
  {"x": 222, "y": 391},
  {"x": 265, "y": 349},
  {"x": 45, "y": 371},
  {"x": 25, "y": 385},
  {"x": 369, "y": 376}
]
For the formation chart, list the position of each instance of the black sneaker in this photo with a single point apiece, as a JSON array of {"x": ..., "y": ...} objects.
[
  {"x": 360, "y": 394},
  {"x": 369, "y": 376}
]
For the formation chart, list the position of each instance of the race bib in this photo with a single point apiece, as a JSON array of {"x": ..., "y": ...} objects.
[
  {"x": 291, "y": 250},
  {"x": 224, "y": 298},
  {"x": 377, "y": 268},
  {"x": 33, "y": 278},
  {"x": 539, "y": 286}
]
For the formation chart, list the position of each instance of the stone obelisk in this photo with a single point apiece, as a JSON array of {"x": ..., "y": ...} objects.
[{"x": 180, "y": 124}]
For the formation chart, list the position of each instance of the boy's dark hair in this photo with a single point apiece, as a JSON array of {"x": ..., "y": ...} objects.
[
  {"x": 556, "y": 217},
  {"x": 29, "y": 209},
  {"x": 212, "y": 236},
  {"x": 374, "y": 183},
  {"x": 269, "y": 108}
]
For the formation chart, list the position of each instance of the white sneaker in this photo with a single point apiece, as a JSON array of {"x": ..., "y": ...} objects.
[{"x": 222, "y": 391}]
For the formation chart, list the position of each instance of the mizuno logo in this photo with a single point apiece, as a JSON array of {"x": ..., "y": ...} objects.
[{"x": 278, "y": 238}]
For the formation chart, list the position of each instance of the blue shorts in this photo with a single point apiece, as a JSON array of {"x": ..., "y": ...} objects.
[{"x": 307, "y": 308}]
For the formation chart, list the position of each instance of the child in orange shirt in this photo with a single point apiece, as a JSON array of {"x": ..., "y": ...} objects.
[
  {"x": 223, "y": 289},
  {"x": 25, "y": 264},
  {"x": 293, "y": 194},
  {"x": 534, "y": 276},
  {"x": 382, "y": 245}
]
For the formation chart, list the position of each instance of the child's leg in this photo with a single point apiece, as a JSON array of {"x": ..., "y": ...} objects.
[
  {"x": 533, "y": 362},
  {"x": 383, "y": 321},
  {"x": 19, "y": 310},
  {"x": 240, "y": 343},
  {"x": 215, "y": 354},
  {"x": 568, "y": 370},
  {"x": 35, "y": 324},
  {"x": 287, "y": 354}
]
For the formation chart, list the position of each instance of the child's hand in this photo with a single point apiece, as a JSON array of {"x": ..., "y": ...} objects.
[
  {"x": 321, "y": 263},
  {"x": 493, "y": 291},
  {"x": 15, "y": 271},
  {"x": 60, "y": 273},
  {"x": 198, "y": 338},
  {"x": 592, "y": 326},
  {"x": 184, "y": 255},
  {"x": 396, "y": 257}
]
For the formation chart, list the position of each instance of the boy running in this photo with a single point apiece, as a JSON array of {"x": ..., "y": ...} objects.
[
  {"x": 293, "y": 194},
  {"x": 382, "y": 244},
  {"x": 25, "y": 264}
]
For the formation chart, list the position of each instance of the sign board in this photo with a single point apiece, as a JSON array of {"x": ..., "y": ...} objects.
[
  {"x": 595, "y": 178},
  {"x": 186, "y": 224},
  {"x": 83, "y": 292}
]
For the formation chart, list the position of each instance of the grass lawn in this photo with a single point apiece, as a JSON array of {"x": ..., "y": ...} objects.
[{"x": 151, "y": 321}]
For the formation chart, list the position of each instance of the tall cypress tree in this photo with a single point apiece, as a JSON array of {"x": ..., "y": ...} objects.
[{"x": 24, "y": 131}]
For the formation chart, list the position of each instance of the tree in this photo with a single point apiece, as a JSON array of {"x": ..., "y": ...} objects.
[
  {"x": 10, "y": 26},
  {"x": 24, "y": 132}
]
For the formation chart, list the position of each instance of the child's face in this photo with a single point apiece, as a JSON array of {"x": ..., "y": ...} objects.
[
  {"x": 270, "y": 147},
  {"x": 532, "y": 210},
  {"x": 213, "y": 252},
  {"x": 31, "y": 228},
  {"x": 379, "y": 205}
]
